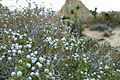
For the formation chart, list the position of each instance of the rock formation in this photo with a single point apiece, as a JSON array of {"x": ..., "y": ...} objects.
[{"x": 82, "y": 13}]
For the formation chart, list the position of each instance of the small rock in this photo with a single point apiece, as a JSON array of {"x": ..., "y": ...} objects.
[
  {"x": 88, "y": 39},
  {"x": 107, "y": 33}
]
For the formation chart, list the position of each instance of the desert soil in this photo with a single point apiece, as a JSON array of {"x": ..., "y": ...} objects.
[{"x": 114, "y": 39}]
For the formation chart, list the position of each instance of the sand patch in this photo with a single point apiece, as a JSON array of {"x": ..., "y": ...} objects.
[{"x": 113, "y": 39}]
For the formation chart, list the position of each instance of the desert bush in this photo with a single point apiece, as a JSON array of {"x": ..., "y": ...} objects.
[{"x": 36, "y": 45}]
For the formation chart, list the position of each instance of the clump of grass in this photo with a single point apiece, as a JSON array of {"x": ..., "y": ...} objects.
[{"x": 35, "y": 44}]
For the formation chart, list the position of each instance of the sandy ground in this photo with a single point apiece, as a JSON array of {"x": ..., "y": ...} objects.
[{"x": 114, "y": 39}]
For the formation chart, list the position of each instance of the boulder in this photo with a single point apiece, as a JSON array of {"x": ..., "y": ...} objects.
[{"x": 81, "y": 13}]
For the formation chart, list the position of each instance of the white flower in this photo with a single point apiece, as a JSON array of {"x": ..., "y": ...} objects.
[
  {"x": 0, "y": 59},
  {"x": 9, "y": 36},
  {"x": 17, "y": 34},
  {"x": 14, "y": 51},
  {"x": 13, "y": 33},
  {"x": 4, "y": 47},
  {"x": 41, "y": 59},
  {"x": 3, "y": 56},
  {"x": 101, "y": 72},
  {"x": 32, "y": 54},
  {"x": 63, "y": 39},
  {"x": 14, "y": 54},
  {"x": 93, "y": 79},
  {"x": 76, "y": 55},
  {"x": 55, "y": 46},
  {"x": 94, "y": 73},
  {"x": 56, "y": 40},
  {"x": 55, "y": 58},
  {"x": 46, "y": 70},
  {"x": 37, "y": 70},
  {"x": 20, "y": 46},
  {"x": 98, "y": 76},
  {"x": 67, "y": 48},
  {"x": 30, "y": 42},
  {"x": 19, "y": 73},
  {"x": 14, "y": 39},
  {"x": 49, "y": 39},
  {"x": 29, "y": 39},
  {"x": 29, "y": 45},
  {"x": 37, "y": 74},
  {"x": 101, "y": 63},
  {"x": 10, "y": 29},
  {"x": 33, "y": 68},
  {"x": 16, "y": 44},
  {"x": 118, "y": 70},
  {"x": 28, "y": 65},
  {"x": 47, "y": 76},
  {"x": 81, "y": 39},
  {"x": 16, "y": 47},
  {"x": 9, "y": 51},
  {"x": 66, "y": 65},
  {"x": 66, "y": 44},
  {"x": 35, "y": 52},
  {"x": 85, "y": 73},
  {"x": 20, "y": 61},
  {"x": 29, "y": 78},
  {"x": 13, "y": 74},
  {"x": 9, "y": 58},
  {"x": 32, "y": 73},
  {"x": 33, "y": 61},
  {"x": 32, "y": 58},
  {"x": 29, "y": 50},
  {"x": 19, "y": 52},
  {"x": 28, "y": 56},
  {"x": 84, "y": 59},
  {"x": 72, "y": 44},
  {"x": 6, "y": 32},
  {"x": 20, "y": 37},
  {"x": 113, "y": 64},
  {"x": 50, "y": 74},
  {"x": 53, "y": 78},
  {"x": 48, "y": 62},
  {"x": 81, "y": 72},
  {"x": 12, "y": 47},
  {"x": 106, "y": 67},
  {"x": 25, "y": 34},
  {"x": 69, "y": 74},
  {"x": 39, "y": 65},
  {"x": 100, "y": 67}
]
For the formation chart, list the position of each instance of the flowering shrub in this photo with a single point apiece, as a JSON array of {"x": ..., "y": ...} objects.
[{"x": 48, "y": 50}]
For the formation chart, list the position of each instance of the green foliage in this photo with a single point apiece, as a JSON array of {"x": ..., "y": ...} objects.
[
  {"x": 72, "y": 11},
  {"x": 66, "y": 17},
  {"x": 78, "y": 6}
]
